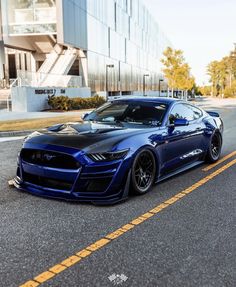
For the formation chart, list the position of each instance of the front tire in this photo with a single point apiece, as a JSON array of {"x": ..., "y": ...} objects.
[
  {"x": 214, "y": 150},
  {"x": 143, "y": 172}
]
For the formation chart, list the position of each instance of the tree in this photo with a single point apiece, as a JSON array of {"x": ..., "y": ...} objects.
[
  {"x": 184, "y": 80},
  {"x": 222, "y": 73},
  {"x": 196, "y": 90},
  {"x": 205, "y": 90},
  {"x": 176, "y": 70},
  {"x": 230, "y": 91},
  {"x": 213, "y": 72},
  {"x": 231, "y": 68}
]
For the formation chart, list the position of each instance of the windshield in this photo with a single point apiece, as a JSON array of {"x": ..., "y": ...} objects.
[{"x": 130, "y": 112}]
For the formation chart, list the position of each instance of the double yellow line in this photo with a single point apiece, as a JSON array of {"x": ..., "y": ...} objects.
[
  {"x": 209, "y": 167},
  {"x": 87, "y": 251}
]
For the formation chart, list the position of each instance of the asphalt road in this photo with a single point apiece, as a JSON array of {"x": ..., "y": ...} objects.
[{"x": 191, "y": 242}]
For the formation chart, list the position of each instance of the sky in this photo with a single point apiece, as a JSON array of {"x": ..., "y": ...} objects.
[{"x": 204, "y": 29}]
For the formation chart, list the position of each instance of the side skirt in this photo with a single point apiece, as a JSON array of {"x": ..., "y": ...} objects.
[{"x": 182, "y": 169}]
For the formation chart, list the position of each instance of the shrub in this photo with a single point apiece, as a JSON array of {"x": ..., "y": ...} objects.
[
  {"x": 87, "y": 103},
  {"x": 60, "y": 103},
  {"x": 230, "y": 92},
  {"x": 65, "y": 103}
]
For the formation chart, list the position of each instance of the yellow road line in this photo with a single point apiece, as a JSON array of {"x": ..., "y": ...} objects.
[
  {"x": 209, "y": 167},
  {"x": 80, "y": 255}
]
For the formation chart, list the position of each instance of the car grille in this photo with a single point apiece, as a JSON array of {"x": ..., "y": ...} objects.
[
  {"x": 47, "y": 182},
  {"x": 49, "y": 159}
]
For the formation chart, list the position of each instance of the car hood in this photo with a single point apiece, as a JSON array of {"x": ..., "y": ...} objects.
[{"x": 87, "y": 136}]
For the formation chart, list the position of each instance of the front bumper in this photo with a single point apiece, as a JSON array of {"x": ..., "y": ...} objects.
[{"x": 100, "y": 183}]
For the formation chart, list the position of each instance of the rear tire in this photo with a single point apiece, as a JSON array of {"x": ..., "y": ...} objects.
[
  {"x": 143, "y": 172},
  {"x": 214, "y": 150}
]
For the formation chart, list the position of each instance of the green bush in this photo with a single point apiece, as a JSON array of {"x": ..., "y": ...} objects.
[
  {"x": 230, "y": 92},
  {"x": 64, "y": 103},
  {"x": 59, "y": 103}
]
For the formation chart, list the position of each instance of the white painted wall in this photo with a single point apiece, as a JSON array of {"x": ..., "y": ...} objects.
[{"x": 34, "y": 99}]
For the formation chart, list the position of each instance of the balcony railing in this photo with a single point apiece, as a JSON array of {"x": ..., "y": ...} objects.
[
  {"x": 33, "y": 21},
  {"x": 35, "y": 79}
]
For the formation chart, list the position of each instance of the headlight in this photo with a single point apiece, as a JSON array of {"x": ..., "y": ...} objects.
[{"x": 108, "y": 156}]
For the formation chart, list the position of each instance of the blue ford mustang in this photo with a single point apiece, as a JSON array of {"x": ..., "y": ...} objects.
[{"x": 123, "y": 147}]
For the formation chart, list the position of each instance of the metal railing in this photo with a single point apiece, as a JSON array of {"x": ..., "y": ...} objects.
[
  {"x": 15, "y": 83},
  {"x": 36, "y": 79}
]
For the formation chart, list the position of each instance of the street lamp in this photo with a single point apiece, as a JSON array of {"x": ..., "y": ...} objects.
[
  {"x": 144, "y": 84},
  {"x": 160, "y": 80},
  {"x": 107, "y": 67}
]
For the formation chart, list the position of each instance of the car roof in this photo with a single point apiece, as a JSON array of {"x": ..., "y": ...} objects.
[{"x": 162, "y": 100}]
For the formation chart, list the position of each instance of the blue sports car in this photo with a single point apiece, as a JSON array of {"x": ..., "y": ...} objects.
[{"x": 123, "y": 147}]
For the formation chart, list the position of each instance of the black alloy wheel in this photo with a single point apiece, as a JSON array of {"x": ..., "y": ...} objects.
[
  {"x": 214, "y": 150},
  {"x": 143, "y": 172}
]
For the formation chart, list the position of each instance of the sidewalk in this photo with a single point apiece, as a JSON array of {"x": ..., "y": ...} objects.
[
  {"x": 215, "y": 103},
  {"x": 31, "y": 121},
  {"x": 11, "y": 116}
]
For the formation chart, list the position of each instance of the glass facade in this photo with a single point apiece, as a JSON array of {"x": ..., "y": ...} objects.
[
  {"x": 120, "y": 39},
  {"x": 124, "y": 34},
  {"x": 26, "y": 17}
]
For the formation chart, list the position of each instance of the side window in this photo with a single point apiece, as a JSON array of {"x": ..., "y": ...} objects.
[
  {"x": 197, "y": 113},
  {"x": 184, "y": 111}
]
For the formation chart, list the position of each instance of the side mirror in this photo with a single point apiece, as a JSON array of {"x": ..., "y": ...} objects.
[
  {"x": 181, "y": 122},
  {"x": 83, "y": 117}
]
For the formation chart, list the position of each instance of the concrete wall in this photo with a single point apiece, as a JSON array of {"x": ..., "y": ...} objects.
[{"x": 33, "y": 99}]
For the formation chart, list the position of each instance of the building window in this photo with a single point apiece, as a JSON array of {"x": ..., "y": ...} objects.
[{"x": 31, "y": 17}]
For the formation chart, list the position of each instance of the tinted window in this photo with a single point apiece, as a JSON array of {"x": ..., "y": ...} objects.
[
  {"x": 135, "y": 112},
  {"x": 197, "y": 113},
  {"x": 185, "y": 111}
]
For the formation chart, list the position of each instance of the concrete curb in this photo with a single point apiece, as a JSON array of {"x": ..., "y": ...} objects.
[{"x": 15, "y": 133}]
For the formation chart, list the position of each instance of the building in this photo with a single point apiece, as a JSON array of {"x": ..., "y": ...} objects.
[{"x": 110, "y": 46}]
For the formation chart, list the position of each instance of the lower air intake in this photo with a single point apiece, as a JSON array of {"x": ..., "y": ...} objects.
[{"x": 47, "y": 182}]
